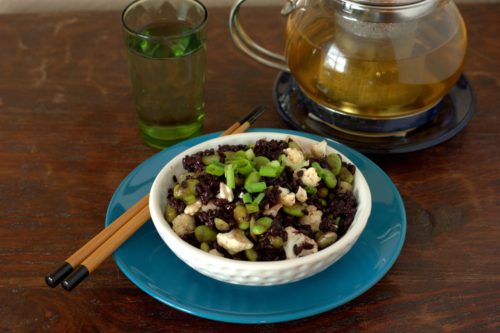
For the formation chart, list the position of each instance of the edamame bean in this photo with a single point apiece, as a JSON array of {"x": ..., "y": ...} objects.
[
  {"x": 276, "y": 242},
  {"x": 251, "y": 254},
  {"x": 170, "y": 213},
  {"x": 337, "y": 221},
  {"x": 265, "y": 221},
  {"x": 346, "y": 175},
  {"x": 329, "y": 178},
  {"x": 260, "y": 161},
  {"x": 189, "y": 199},
  {"x": 258, "y": 229},
  {"x": 221, "y": 225},
  {"x": 203, "y": 233},
  {"x": 177, "y": 191},
  {"x": 240, "y": 213},
  {"x": 204, "y": 247},
  {"x": 191, "y": 185},
  {"x": 186, "y": 193},
  {"x": 184, "y": 176},
  {"x": 345, "y": 187},
  {"x": 210, "y": 159},
  {"x": 325, "y": 239},
  {"x": 261, "y": 225},
  {"x": 296, "y": 210},
  {"x": 319, "y": 170},
  {"x": 323, "y": 192},
  {"x": 334, "y": 162},
  {"x": 244, "y": 225}
]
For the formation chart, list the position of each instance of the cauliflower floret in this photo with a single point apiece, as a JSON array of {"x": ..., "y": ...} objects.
[
  {"x": 287, "y": 198},
  {"x": 273, "y": 211},
  {"x": 294, "y": 155},
  {"x": 225, "y": 192},
  {"x": 234, "y": 241},
  {"x": 208, "y": 206},
  {"x": 183, "y": 224},
  {"x": 298, "y": 244},
  {"x": 301, "y": 195},
  {"x": 192, "y": 208},
  {"x": 318, "y": 150},
  {"x": 313, "y": 217},
  {"x": 215, "y": 253},
  {"x": 310, "y": 177},
  {"x": 295, "y": 158}
]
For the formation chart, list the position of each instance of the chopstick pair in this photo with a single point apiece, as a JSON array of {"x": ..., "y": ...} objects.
[{"x": 86, "y": 259}]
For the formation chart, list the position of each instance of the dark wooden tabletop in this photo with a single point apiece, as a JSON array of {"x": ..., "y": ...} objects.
[{"x": 68, "y": 136}]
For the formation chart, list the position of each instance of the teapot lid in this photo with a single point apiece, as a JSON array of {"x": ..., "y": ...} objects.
[
  {"x": 387, "y": 2},
  {"x": 387, "y": 11}
]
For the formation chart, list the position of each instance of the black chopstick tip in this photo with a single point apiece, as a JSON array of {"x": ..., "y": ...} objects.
[
  {"x": 54, "y": 278},
  {"x": 256, "y": 112},
  {"x": 78, "y": 275}
]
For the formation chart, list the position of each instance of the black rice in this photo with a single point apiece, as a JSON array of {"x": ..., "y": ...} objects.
[{"x": 271, "y": 149}]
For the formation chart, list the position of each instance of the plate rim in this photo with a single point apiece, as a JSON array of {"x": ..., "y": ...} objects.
[{"x": 275, "y": 317}]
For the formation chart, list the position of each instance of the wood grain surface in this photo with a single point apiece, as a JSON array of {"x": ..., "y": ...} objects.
[{"x": 68, "y": 136}]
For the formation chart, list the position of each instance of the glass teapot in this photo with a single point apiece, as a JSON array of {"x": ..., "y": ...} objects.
[{"x": 375, "y": 59}]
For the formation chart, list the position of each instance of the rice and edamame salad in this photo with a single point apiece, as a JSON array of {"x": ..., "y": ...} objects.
[{"x": 272, "y": 200}]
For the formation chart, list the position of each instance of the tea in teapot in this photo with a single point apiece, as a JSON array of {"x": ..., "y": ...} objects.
[{"x": 373, "y": 59}]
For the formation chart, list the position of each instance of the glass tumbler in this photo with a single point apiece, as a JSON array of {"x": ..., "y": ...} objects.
[{"x": 166, "y": 43}]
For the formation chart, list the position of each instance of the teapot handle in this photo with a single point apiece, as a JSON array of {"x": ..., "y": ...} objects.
[{"x": 251, "y": 48}]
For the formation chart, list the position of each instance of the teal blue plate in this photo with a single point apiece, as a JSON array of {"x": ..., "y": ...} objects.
[{"x": 149, "y": 263}]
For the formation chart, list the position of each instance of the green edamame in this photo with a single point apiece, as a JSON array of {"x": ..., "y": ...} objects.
[
  {"x": 186, "y": 193},
  {"x": 329, "y": 178},
  {"x": 210, "y": 159},
  {"x": 204, "y": 247},
  {"x": 334, "y": 163},
  {"x": 203, "y": 233},
  {"x": 240, "y": 213},
  {"x": 221, "y": 225},
  {"x": 260, "y": 161},
  {"x": 296, "y": 210},
  {"x": 325, "y": 239},
  {"x": 276, "y": 242},
  {"x": 251, "y": 255},
  {"x": 170, "y": 213},
  {"x": 323, "y": 192},
  {"x": 345, "y": 175}
]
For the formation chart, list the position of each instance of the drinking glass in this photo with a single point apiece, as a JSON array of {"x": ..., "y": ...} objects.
[{"x": 166, "y": 43}]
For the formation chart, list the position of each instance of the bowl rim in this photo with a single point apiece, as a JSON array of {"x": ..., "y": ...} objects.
[{"x": 175, "y": 243}]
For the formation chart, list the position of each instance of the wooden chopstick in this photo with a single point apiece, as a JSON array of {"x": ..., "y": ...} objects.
[
  {"x": 239, "y": 126},
  {"x": 106, "y": 249},
  {"x": 86, "y": 259},
  {"x": 54, "y": 278},
  {"x": 248, "y": 120}
]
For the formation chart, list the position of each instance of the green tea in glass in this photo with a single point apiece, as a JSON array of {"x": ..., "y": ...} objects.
[{"x": 166, "y": 42}]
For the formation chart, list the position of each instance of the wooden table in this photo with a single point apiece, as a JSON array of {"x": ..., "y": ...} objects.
[{"x": 68, "y": 136}]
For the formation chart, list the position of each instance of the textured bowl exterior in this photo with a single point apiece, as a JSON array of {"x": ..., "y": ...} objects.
[{"x": 253, "y": 273}]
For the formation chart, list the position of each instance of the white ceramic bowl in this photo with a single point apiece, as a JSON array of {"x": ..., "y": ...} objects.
[{"x": 244, "y": 272}]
